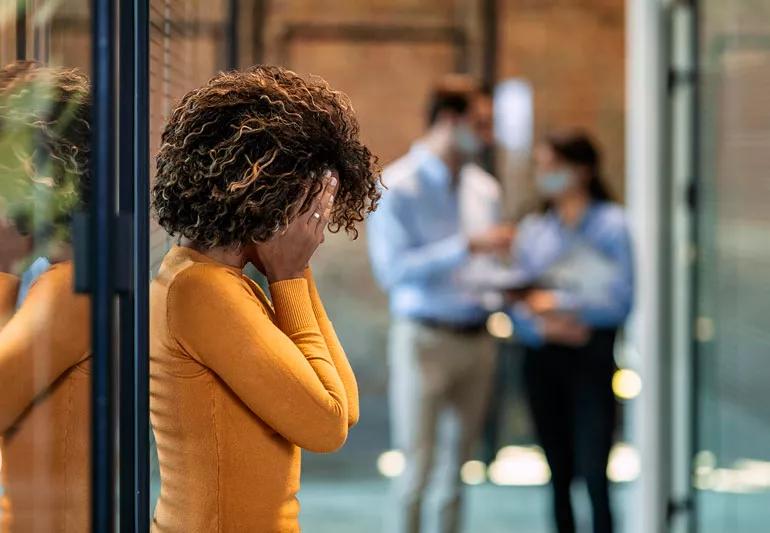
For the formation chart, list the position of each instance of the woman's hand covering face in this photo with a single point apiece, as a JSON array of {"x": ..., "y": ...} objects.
[{"x": 286, "y": 255}]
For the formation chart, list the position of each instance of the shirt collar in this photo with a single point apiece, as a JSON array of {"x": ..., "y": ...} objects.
[
  {"x": 431, "y": 165},
  {"x": 582, "y": 224}
]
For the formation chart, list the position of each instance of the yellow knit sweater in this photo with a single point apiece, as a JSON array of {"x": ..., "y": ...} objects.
[
  {"x": 45, "y": 407},
  {"x": 9, "y": 289},
  {"x": 238, "y": 386}
]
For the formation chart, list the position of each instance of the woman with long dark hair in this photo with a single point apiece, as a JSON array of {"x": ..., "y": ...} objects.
[{"x": 576, "y": 252}]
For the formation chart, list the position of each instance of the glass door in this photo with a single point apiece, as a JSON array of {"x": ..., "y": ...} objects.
[
  {"x": 115, "y": 229},
  {"x": 85, "y": 89},
  {"x": 73, "y": 224},
  {"x": 732, "y": 270},
  {"x": 46, "y": 357}
]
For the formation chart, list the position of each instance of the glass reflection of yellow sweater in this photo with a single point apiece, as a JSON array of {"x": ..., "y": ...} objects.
[
  {"x": 45, "y": 379},
  {"x": 238, "y": 386},
  {"x": 9, "y": 290}
]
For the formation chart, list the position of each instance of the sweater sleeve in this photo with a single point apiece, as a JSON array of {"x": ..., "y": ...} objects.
[
  {"x": 49, "y": 334},
  {"x": 282, "y": 371},
  {"x": 336, "y": 350}
]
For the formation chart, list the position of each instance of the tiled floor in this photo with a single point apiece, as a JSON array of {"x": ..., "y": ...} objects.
[{"x": 358, "y": 506}]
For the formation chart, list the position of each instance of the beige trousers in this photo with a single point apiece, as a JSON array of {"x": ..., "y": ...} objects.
[{"x": 439, "y": 385}]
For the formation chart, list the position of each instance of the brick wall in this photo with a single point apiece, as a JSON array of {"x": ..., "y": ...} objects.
[
  {"x": 384, "y": 54},
  {"x": 571, "y": 51},
  {"x": 573, "y": 54}
]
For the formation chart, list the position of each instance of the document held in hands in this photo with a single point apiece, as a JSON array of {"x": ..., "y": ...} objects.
[{"x": 583, "y": 271}]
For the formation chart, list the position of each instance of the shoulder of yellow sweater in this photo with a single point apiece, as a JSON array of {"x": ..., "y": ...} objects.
[
  {"x": 206, "y": 279},
  {"x": 9, "y": 285},
  {"x": 57, "y": 280},
  {"x": 52, "y": 301},
  {"x": 9, "y": 290},
  {"x": 8, "y": 279}
]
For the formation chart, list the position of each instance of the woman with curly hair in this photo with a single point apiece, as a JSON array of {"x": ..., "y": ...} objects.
[
  {"x": 252, "y": 168},
  {"x": 45, "y": 340}
]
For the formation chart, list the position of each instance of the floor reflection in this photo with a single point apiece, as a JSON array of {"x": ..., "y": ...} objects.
[{"x": 353, "y": 506}]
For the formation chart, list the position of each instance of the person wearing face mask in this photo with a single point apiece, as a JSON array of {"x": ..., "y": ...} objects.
[
  {"x": 575, "y": 255},
  {"x": 437, "y": 219}
]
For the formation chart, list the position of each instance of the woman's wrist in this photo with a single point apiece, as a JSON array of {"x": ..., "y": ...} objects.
[
  {"x": 292, "y": 305},
  {"x": 274, "y": 276}
]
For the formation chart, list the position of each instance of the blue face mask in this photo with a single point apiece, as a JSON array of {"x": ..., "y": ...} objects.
[
  {"x": 550, "y": 184},
  {"x": 466, "y": 141}
]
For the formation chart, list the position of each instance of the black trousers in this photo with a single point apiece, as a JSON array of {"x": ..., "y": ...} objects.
[{"x": 573, "y": 408}]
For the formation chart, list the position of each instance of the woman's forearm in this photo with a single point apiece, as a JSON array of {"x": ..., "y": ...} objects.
[
  {"x": 283, "y": 371},
  {"x": 336, "y": 350}
]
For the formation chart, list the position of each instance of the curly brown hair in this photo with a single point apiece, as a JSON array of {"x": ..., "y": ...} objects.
[
  {"x": 239, "y": 153},
  {"x": 45, "y": 139}
]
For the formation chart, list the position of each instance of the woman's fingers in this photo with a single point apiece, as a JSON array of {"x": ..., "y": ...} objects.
[
  {"x": 326, "y": 203},
  {"x": 327, "y": 199},
  {"x": 315, "y": 211},
  {"x": 294, "y": 213},
  {"x": 322, "y": 206}
]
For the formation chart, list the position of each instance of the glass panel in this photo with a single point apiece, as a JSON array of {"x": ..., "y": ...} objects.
[
  {"x": 732, "y": 463},
  {"x": 357, "y": 46},
  {"x": 45, "y": 339},
  {"x": 187, "y": 47}
]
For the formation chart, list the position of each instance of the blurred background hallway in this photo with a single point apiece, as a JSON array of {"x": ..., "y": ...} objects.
[{"x": 675, "y": 92}]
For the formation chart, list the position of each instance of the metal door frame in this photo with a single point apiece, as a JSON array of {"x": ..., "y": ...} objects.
[
  {"x": 102, "y": 263},
  {"x": 119, "y": 273},
  {"x": 684, "y": 169}
]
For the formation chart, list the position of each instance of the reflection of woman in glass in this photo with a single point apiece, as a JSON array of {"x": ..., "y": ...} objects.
[
  {"x": 577, "y": 251},
  {"x": 9, "y": 292},
  {"x": 45, "y": 346},
  {"x": 252, "y": 168}
]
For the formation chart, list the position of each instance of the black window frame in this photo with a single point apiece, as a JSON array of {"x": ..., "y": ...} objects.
[{"x": 118, "y": 265}]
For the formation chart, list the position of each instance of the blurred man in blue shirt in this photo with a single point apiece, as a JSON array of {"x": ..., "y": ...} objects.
[{"x": 437, "y": 225}]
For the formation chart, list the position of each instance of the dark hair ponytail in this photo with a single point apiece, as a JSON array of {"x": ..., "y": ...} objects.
[{"x": 577, "y": 148}]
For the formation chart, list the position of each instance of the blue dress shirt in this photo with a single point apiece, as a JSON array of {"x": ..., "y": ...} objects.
[
  {"x": 38, "y": 267},
  {"x": 544, "y": 241},
  {"x": 417, "y": 237}
]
